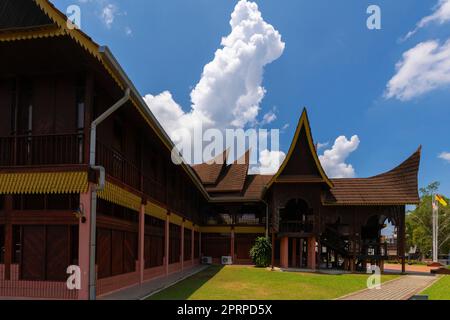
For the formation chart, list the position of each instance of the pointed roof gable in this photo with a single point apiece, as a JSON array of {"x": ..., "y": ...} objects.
[
  {"x": 234, "y": 176},
  {"x": 209, "y": 171},
  {"x": 301, "y": 163}
]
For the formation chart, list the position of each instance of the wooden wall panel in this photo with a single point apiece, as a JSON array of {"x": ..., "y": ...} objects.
[
  {"x": 6, "y": 101},
  {"x": 33, "y": 253},
  {"x": 104, "y": 253},
  {"x": 174, "y": 243},
  {"x": 243, "y": 244},
  {"x": 216, "y": 245},
  {"x": 196, "y": 244},
  {"x": 58, "y": 252},
  {"x": 117, "y": 252},
  {"x": 130, "y": 251},
  {"x": 187, "y": 244},
  {"x": 65, "y": 105}
]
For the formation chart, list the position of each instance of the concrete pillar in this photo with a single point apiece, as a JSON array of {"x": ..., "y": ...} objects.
[
  {"x": 84, "y": 242},
  {"x": 141, "y": 236},
  {"x": 182, "y": 246},
  {"x": 312, "y": 253},
  {"x": 232, "y": 246},
  {"x": 166, "y": 241},
  {"x": 294, "y": 253},
  {"x": 284, "y": 252}
]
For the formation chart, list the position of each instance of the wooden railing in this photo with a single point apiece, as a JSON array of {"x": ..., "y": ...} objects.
[
  {"x": 117, "y": 166},
  {"x": 32, "y": 150}
]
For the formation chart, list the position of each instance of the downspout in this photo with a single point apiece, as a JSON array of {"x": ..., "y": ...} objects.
[{"x": 99, "y": 187}]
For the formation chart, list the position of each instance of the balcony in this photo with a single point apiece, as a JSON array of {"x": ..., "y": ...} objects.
[
  {"x": 41, "y": 150},
  {"x": 119, "y": 167},
  {"x": 295, "y": 226}
]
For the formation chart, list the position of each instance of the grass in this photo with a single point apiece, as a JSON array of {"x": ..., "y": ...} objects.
[
  {"x": 440, "y": 290},
  {"x": 249, "y": 283}
]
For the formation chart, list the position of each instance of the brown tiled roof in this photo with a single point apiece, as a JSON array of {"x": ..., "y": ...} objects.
[
  {"x": 209, "y": 172},
  {"x": 398, "y": 186},
  {"x": 233, "y": 176},
  {"x": 255, "y": 185}
]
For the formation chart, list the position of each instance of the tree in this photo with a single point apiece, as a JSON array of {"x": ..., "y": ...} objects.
[
  {"x": 419, "y": 227},
  {"x": 261, "y": 252}
]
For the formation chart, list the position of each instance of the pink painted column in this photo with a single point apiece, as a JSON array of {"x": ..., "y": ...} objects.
[
  {"x": 166, "y": 239},
  {"x": 182, "y": 246},
  {"x": 312, "y": 253},
  {"x": 192, "y": 245},
  {"x": 232, "y": 245},
  {"x": 284, "y": 252},
  {"x": 294, "y": 253},
  {"x": 84, "y": 242},
  {"x": 141, "y": 257}
]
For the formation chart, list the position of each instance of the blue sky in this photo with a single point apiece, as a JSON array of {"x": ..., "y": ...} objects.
[{"x": 331, "y": 63}]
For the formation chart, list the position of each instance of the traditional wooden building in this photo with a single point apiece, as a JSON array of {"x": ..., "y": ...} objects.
[{"x": 152, "y": 217}]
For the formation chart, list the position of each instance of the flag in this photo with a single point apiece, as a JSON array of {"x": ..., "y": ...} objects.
[{"x": 441, "y": 200}]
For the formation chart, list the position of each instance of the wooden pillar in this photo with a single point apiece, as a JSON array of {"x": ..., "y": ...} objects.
[
  {"x": 182, "y": 246},
  {"x": 84, "y": 241},
  {"x": 166, "y": 241},
  {"x": 232, "y": 245},
  {"x": 294, "y": 253},
  {"x": 141, "y": 242},
  {"x": 8, "y": 257},
  {"x": 192, "y": 245},
  {"x": 284, "y": 252},
  {"x": 312, "y": 253},
  {"x": 301, "y": 253}
]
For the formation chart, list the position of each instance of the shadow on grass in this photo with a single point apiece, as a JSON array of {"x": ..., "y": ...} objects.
[{"x": 184, "y": 289}]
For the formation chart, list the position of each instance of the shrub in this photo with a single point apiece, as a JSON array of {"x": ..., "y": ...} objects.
[{"x": 261, "y": 252}]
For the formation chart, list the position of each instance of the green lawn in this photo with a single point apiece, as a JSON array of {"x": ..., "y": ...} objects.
[
  {"x": 440, "y": 290},
  {"x": 249, "y": 283}
]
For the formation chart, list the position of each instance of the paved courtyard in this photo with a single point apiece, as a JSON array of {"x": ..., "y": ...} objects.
[{"x": 398, "y": 289}]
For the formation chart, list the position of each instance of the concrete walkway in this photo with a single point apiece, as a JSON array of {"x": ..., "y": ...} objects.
[
  {"x": 139, "y": 292},
  {"x": 399, "y": 289}
]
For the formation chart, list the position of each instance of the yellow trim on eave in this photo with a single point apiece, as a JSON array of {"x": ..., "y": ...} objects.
[
  {"x": 215, "y": 229},
  {"x": 31, "y": 34},
  {"x": 43, "y": 182},
  {"x": 249, "y": 230},
  {"x": 188, "y": 225},
  {"x": 156, "y": 211},
  {"x": 175, "y": 219},
  {"x": 122, "y": 197},
  {"x": 303, "y": 122}
]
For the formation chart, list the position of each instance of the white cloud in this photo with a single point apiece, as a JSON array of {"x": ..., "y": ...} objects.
[
  {"x": 445, "y": 156},
  {"x": 108, "y": 14},
  {"x": 333, "y": 160},
  {"x": 322, "y": 145},
  {"x": 440, "y": 15},
  {"x": 230, "y": 90},
  {"x": 128, "y": 31},
  {"x": 269, "y": 117},
  {"x": 269, "y": 162},
  {"x": 422, "y": 69}
]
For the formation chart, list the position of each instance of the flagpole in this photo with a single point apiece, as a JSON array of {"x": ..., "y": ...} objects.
[{"x": 435, "y": 228}]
